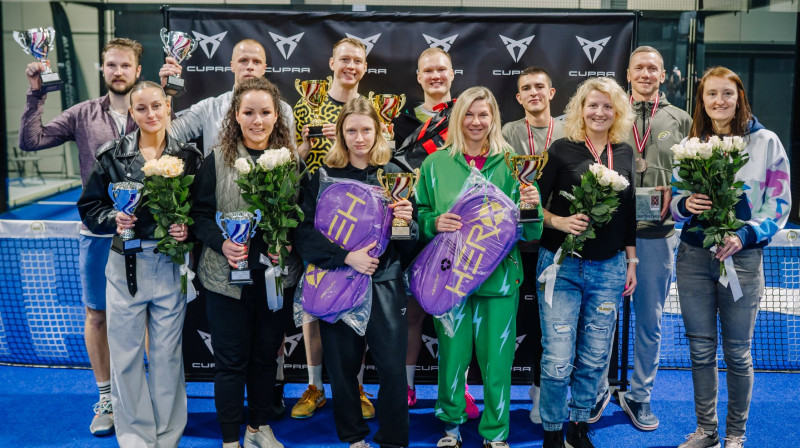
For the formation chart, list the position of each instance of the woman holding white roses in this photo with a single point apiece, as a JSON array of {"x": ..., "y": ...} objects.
[
  {"x": 722, "y": 110},
  {"x": 246, "y": 331},
  {"x": 580, "y": 304},
  {"x": 149, "y": 409}
]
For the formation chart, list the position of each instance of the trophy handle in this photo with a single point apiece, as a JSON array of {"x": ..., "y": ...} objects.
[
  {"x": 330, "y": 80},
  {"x": 255, "y": 225},
  {"x": 379, "y": 175},
  {"x": 507, "y": 157},
  {"x": 22, "y": 41},
  {"x": 402, "y": 101},
  {"x": 370, "y": 96},
  {"x": 298, "y": 87},
  {"x": 412, "y": 186},
  {"x": 221, "y": 227},
  {"x": 195, "y": 43},
  {"x": 164, "y": 36},
  {"x": 542, "y": 163}
]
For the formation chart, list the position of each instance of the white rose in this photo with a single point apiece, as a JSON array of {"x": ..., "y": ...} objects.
[
  {"x": 727, "y": 144},
  {"x": 266, "y": 161},
  {"x": 242, "y": 165},
  {"x": 152, "y": 168},
  {"x": 596, "y": 169},
  {"x": 705, "y": 150},
  {"x": 739, "y": 143},
  {"x": 283, "y": 156},
  {"x": 714, "y": 140},
  {"x": 619, "y": 183},
  {"x": 171, "y": 166}
]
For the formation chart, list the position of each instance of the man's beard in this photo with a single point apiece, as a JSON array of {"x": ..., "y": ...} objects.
[{"x": 120, "y": 91}]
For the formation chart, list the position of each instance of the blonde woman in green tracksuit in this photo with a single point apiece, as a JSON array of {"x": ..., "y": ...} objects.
[{"x": 489, "y": 315}]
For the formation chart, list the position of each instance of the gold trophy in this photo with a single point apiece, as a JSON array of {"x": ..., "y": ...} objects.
[
  {"x": 527, "y": 168},
  {"x": 388, "y": 107},
  {"x": 399, "y": 186},
  {"x": 314, "y": 92}
]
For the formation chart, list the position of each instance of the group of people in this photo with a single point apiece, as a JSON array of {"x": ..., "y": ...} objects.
[{"x": 131, "y": 298}]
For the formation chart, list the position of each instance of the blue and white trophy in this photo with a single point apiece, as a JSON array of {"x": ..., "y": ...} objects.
[
  {"x": 126, "y": 197},
  {"x": 38, "y": 42},
  {"x": 239, "y": 227}
]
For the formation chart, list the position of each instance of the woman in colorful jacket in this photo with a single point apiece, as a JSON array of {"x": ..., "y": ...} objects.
[
  {"x": 722, "y": 109},
  {"x": 474, "y": 139}
]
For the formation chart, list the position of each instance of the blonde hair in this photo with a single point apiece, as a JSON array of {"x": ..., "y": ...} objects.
[
  {"x": 432, "y": 51},
  {"x": 574, "y": 125},
  {"x": 338, "y": 155},
  {"x": 349, "y": 40},
  {"x": 455, "y": 141}
]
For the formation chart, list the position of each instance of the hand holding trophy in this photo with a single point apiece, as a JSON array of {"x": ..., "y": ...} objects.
[
  {"x": 399, "y": 186},
  {"x": 239, "y": 227},
  {"x": 388, "y": 107},
  {"x": 38, "y": 42},
  {"x": 180, "y": 46},
  {"x": 314, "y": 92},
  {"x": 527, "y": 168},
  {"x": 126, "y": 197}
]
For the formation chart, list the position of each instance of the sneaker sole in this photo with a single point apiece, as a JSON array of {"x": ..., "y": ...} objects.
[
  {"x": 102, "y": 432},
  {"x": 624, "y": 405},
  {"x": 302, "y": 417},
  {"x": 607, "y": 400}
]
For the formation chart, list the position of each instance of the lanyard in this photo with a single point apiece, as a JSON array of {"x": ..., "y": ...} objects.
[
  {"x": 640, "y": 143},
  {"x": 609, "y": 153},
  {"x": 531, "y": 145}
]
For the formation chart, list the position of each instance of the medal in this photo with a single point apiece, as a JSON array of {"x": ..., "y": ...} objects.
[{"x": 641, "y": 165}]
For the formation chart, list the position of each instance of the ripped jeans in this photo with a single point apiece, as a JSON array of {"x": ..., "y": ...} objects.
[{"x": 583, "y": 311}]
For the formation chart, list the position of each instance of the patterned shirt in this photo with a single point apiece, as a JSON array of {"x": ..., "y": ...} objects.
[{"x": 320, "y": 146}]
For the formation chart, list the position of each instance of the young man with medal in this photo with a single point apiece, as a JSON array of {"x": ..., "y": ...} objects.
[
  {"x": 533, "y": 135},
  {"x": 658, "y": 126}
]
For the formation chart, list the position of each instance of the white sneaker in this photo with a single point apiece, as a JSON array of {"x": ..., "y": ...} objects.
[
  {"x": 734, "y": 441},
  {"x": 534, "y": 392},
  {"x": 103, "y": 421},
  {"x": 264, "y": 438}
]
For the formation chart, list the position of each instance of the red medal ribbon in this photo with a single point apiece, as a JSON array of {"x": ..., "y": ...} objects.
[
  {"x": 610, "y": 154},
  {"x": 531, "y": 145},
  {"x": 640, "y": 143}
]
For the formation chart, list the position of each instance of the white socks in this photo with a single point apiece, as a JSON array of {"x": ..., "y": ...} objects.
[
  {"x": 315, "y": 376},
  {"x": 410, "y": 371},
  {"x": 105, "y": 390}
]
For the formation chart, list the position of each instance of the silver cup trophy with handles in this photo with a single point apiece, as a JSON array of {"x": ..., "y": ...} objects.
[
  {"x": 180, "y": 46},
  {"x": 239, "y": 227},
  {"x": 126, "y": 197},
  {"x": 38, "y": 42}
]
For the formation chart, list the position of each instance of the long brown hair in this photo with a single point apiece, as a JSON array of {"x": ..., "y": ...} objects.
[
  {"x": 701, "y": 122},
  {"x": 230, "y": 135}
]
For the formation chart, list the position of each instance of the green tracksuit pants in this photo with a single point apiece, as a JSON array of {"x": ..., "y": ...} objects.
[{"x": 490, "y": 325}]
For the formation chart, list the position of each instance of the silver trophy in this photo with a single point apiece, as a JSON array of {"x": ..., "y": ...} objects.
[
  {"x": 239, "y": 227},
  {"x": 180, "y": 46},
  {"x": 38, "y": 42},
  {"x": 126, "y": 197}
]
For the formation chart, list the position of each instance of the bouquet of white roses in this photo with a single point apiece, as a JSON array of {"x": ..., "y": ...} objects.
[
  {"x": 596, "y": 197},
  {"x": 710, "y": 168},
  {"x": 271, "y": 186},
  {"x": 166, "y": 194}
]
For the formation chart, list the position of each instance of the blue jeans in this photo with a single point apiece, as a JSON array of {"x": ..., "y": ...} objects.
[
  {"x": 702, "y": 299},
  {"x": 583, "y": 311},
  {"x": 93, "y": 257}
]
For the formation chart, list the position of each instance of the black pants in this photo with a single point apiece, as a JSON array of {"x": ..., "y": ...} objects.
[
  {"x": 528, "y": 287},
  {"x": 387, "y": 337},
  {"x": 245, "y": 336}
]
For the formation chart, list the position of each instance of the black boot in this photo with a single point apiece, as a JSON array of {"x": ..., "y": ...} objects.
[
  {"x": 553, "y": 439},
  {"x": 578, "y": 435}
]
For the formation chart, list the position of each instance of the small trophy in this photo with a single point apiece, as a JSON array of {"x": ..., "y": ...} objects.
[
  {"x": 180, "y": 46},
  {"x": 37, "y": 43},
  {"x": 527, "y": 168},
  {"x": 314, "y": 92},
  {"x": 239, "y": 227},
  {"x": 399, "y": 186},
  {"x": 126, "y": 197},
  {"x": 388, "y": 107}
]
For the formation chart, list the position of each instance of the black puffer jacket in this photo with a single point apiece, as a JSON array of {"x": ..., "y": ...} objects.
[{"x": 120, "y": 161}]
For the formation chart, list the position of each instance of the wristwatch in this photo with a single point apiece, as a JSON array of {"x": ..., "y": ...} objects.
[{"x": 632, "y": 260}]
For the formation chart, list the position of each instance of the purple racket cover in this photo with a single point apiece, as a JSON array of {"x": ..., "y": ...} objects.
[
  {"x": 353, "y": 215},
  {"x": 455, "y": 264}
]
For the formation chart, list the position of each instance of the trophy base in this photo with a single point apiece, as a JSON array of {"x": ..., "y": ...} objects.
[
  {"x": 240, "y": 277},
  {"x": 126, "y": 247},
  {"x": 175, "y": 86},
  {"x": 315, "y": 132},
  {"x": 51, "y": 82},
  {"x": 529, "y": 215},
  {"x": 401, "y": 233}
]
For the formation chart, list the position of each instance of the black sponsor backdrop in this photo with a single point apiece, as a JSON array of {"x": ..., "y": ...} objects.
[{"x": 487, "y": 50}]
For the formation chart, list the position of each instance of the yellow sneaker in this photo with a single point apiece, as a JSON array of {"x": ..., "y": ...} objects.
[
  {"x": 367, "y": 409},
  {"x": 310, "y": 401}
]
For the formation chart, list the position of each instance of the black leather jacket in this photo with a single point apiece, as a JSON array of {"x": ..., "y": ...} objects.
[{"x": 120, "y": 161}]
